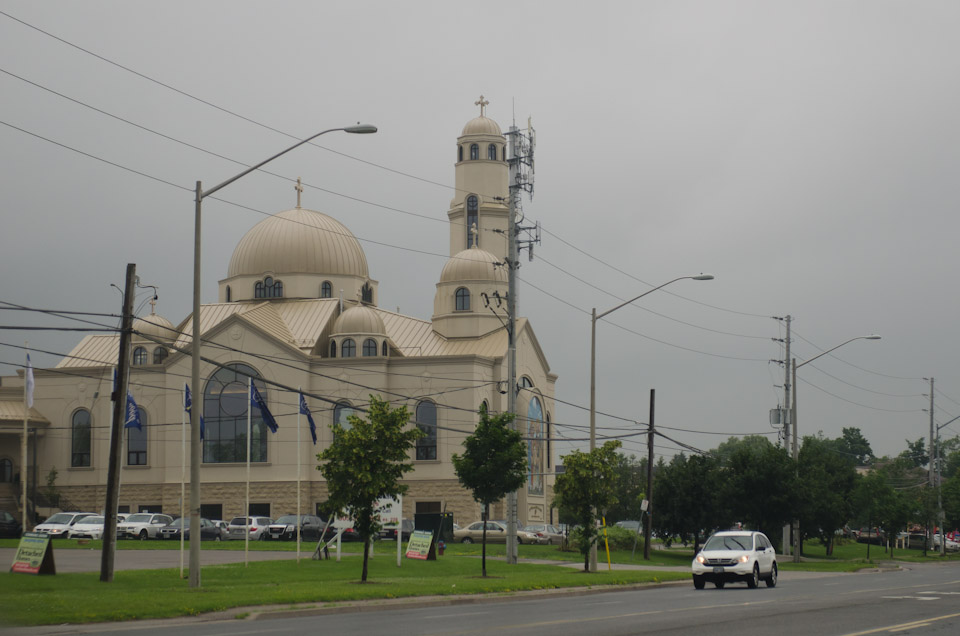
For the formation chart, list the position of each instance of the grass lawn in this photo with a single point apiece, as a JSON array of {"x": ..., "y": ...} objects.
[{"x": 138, "y": 594}]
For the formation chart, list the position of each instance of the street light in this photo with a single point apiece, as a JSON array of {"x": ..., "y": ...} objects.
[
  {"x": 594, "y": 317},
  {"x": 195, "y": 448},
  {"x": 793, "y": 418}
]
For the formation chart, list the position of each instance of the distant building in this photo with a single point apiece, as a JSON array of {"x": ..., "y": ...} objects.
[{"x": 298, "y": 307}]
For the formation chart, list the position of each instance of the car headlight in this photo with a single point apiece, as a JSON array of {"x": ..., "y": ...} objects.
[
  {"x": 700, "y": 558},
  {"x": 743, "y": 558}
]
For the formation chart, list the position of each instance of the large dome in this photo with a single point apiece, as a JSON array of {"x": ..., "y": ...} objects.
[
  {"x": 481, "y": 126},
  {"x": 298, "y": 241},
  {"x": 154, "y": 326},
  {"x": 473, "y": 264}
]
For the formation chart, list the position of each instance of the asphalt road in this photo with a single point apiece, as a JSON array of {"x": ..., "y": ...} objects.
[{"x": 918, "y": 600}]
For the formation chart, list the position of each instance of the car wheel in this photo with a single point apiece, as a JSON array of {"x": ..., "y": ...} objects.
[
  {"x": 519, "y": 541},
  {"x": 143, "y": 535},
  {"x": 772, "y": 579},
  {"x": 719, "y": 584},
  {"x": 467, "y": 540},
  {"x": 698, "y": 582},
  {"x": 216, "y": 538},
  {"x": 262, "y": 537},
  {"x": 754, "y": 579}
]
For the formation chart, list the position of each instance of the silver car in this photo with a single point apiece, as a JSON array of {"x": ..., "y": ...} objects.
[{"x": 259, "y": 528}]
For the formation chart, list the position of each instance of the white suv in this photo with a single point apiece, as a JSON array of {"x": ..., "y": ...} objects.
[
  {"x": 143, "y": 525},
  {"x": 738, "y": 555}
]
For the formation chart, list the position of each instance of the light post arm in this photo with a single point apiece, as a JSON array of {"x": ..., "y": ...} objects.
[{"x": 870, "y": 337}]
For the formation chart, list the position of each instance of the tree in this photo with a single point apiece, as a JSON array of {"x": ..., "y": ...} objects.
[
  {"x": 827, "y": 479},
  {"x": 916, "y": 454},
  {"x": 587, "y": 486},
  {"x": 494, "y": 463},
  {"x": 365, "y": 463},
  {"x": 630, "y": 483},
  {"x": 760, "y": 485},
  {"x": 854, "y": 445},
  {"x": 685, "y": 498}
]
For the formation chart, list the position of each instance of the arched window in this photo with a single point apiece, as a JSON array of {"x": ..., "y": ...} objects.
[
  {"x": 484, "y": 406},
  {"x": 139, "y": 356},
  {"x": 326, "y": 290},
  {"x": 348, "y": 349},
  {"x": 427, "y": 422},
  {"x": 474, "y": 151},
  {"x": 333, "y": 348},
  {"x": 526, "y": 383},
  {"x": 459, "y": 153},
  {"x": 258, "y": 289},
  {"x": 385, "y": 350},
  {"x": 80, "y": 438},
  {"x": 366, "y": 293},
  {"x": 341, "y": 412},
  {"x": 226, "y": 399},
  {"x": 472, "y": 210},
  {"x": 228, "y": 293},
  {"x": 463, "y": 299},
  {"x": 268, "y": 288},
  {"x": 369, "y": 348},
  {"x": 278, "y": 289},
  {"x": 504, "y": 153},
  {"x": 535, "y": 447},
  {"x": 6, "y": 471},
  {"x": 159, "y": 355},
  {"x": 492, "y": 152},
  {"x": 137, "y": 442}
]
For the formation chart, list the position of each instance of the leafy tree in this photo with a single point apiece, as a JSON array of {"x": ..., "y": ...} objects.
[
  {"x": 916, "y": 454},
  {"x": 494, "y": 463},
  {"x": 630, "y": 483},
  {"x": 366, "y": 462},
  {"x": 587, "y": 484},
  {"x": 684, "y": 498},
  {"x": 827, "y": 479},
  {"x": 760, "y": 485},
  {"x": 854, "y": 445}
]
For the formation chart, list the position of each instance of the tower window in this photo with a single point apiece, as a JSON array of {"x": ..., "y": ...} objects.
[
  {"x": 369, "y": 348},
  {"x": 492, "y": 152},
  {"x": 137, "y": 442},
  {"x": 427, "y": 422},
  {"x": 463, "y": 299},
  {"x": 326, "y": 290},
  {"x": 159, "y": 355},
  {"x": 504, "y": 153},
  {"x": 333, "y": 348},
  {"x": 459, "y": 153},
  {"x": 366, "y": 293},
  {"x": 268, "y": 288},
  {"x": 348, "y": 349},
  {"x": 80, "y": 438},
  {"x": 474, "y": 152},
  {"x": 139, "y": 356},
  {"x": 228, "y": 293},
  {"x": 384, "y": 354},
  {"x": 473, "y": 205}
]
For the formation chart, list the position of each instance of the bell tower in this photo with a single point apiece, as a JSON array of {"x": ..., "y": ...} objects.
[{"x": 480, "y": 199}]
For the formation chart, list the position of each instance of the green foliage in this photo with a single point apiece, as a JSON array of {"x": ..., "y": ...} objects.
[
  {"x": 494, "y": 463},
  {"x": 916, "y": 454},
  {"x": 827, "y": 480},
  {"x": 685, "y": 504},
  {"x": 760, "y": 485},
  {"x": 630, "y": 480},
  {"x": 853, "y": 444},
  {"x": 587, "y": 487},
  {"x": 366, "y": 462}
]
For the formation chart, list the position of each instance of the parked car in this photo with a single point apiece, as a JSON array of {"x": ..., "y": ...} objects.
[
  {"x": 406, "y": 530},
  {"x": 9, "y": 526},
  {"x": 224, "y": 530},
  {"x": 87, "y": 528},
  {"x": 546, "y": 534},
  {"x": 59, "y": 524},
  {"x": 259, "y": 528},
  {"x": 496, "y": 533},
  {"x": 208, "y": 530},
  {"x": 871, "y": 535},
  {"x": 285, "y": 528},
  {"x": 951, "y": 545},
  {"x": 632, "y": 526},
  {"x": 143, "y": 525},
  {"x": 737, "y": 555}
]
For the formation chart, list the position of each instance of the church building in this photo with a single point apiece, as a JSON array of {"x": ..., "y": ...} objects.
[{"x": 298, "y": 307}]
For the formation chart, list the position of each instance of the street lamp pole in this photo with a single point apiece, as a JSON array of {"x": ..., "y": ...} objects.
[
  {"x": 594, "y": 317},
  {"x": 943, "y": 536},
  {"x": 196, "y": 451},
  {"x": 793, "y": 418}
]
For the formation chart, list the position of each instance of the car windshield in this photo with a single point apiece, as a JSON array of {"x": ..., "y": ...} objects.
[
  {"x": 287, "y": 519},
  {"x": 139, "y": 518},
  {"x": 88, "y": 520},
  {"x": 176, "y": 523},
  {"x": 60, "y": 517},
  {"x": 729, "y": 542}
]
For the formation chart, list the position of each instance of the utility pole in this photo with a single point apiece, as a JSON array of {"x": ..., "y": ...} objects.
[
  {"x": 786, "y": 413},
  {"x": 109, "y": 549},
  {"x": 647, "y": 528},
  {"x": 930, "y": 462}
]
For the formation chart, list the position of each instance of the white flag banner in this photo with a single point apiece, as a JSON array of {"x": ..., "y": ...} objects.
[{"x": 30, "y": 383}]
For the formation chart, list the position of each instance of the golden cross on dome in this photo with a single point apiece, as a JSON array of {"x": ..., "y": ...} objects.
[
  {"x": 482, "y": 104},
  {"x": 299, "y": 189}
]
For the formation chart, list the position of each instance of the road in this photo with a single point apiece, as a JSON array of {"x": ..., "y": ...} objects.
[{"x": 917, "y": 600}]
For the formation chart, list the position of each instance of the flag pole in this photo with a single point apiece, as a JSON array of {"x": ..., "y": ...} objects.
[
  {"x": 299, "y": 518},
  {"x": 183, "y": 472},
  {"x": 246, "y": 537}
]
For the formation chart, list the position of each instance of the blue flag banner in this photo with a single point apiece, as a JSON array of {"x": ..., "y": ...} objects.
[
  {"x": 257, "y": 400},
  {"x": 305, "y": 411},
  {"x": 187, "y": 404},
  {"x": 133, "y": 414}
]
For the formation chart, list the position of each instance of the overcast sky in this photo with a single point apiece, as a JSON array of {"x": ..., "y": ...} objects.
[{"x": 805, "y": 153}]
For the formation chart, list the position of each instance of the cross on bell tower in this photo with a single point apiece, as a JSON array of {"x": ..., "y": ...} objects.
[{"x": 482, "y": 103}]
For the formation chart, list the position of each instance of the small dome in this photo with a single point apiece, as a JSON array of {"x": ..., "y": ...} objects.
[
  {"x": 481, "y": 126},
  {"x": 154, "y": 326},
  {"x": 473, "y": 264},
  {"x": 298, "y": 241},
  {"x": 359, "y": 320}
]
